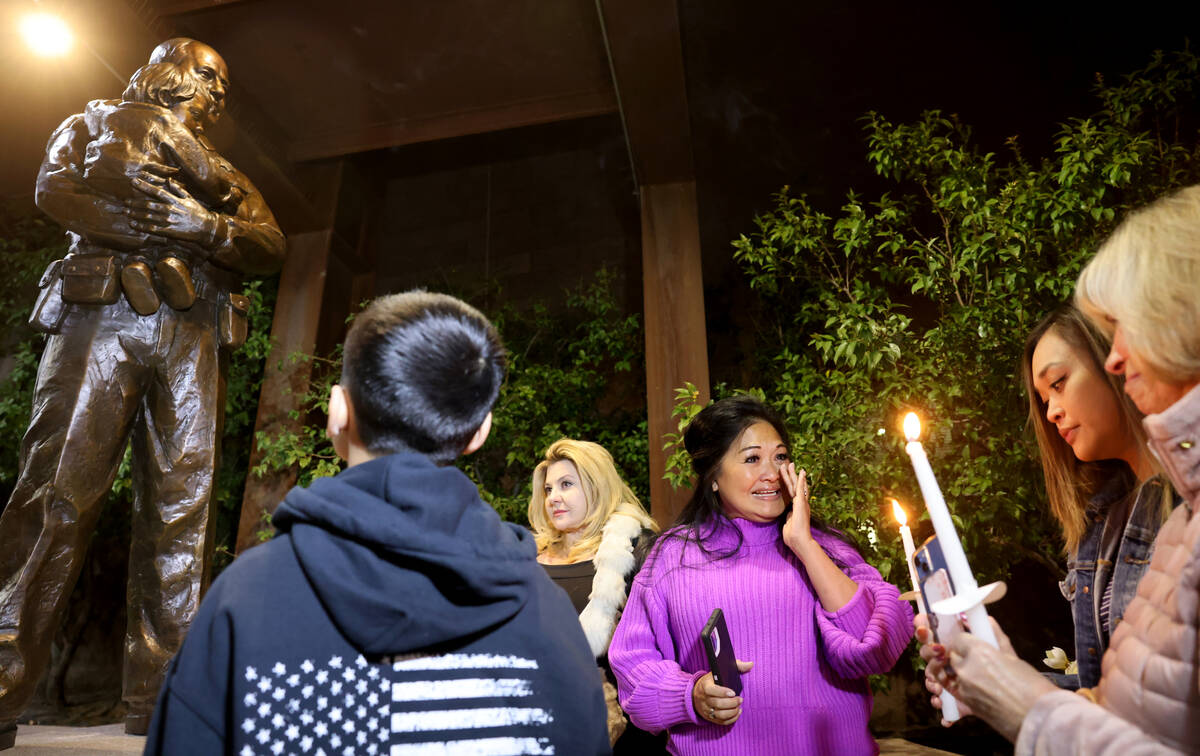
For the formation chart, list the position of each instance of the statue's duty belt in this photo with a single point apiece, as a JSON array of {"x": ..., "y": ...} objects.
[{"x": 101, "y": 279}]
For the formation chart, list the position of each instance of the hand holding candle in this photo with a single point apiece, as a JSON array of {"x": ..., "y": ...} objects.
[
  {"x": 949, "y": 705},
  {"x": 967, "y": 602}
]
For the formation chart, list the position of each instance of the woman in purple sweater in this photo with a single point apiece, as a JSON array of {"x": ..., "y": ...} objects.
[{"x": 810, "y": 618}]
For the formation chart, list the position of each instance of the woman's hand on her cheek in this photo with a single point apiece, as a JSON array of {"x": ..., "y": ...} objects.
[
  {"x": 797, "y": 528},
  {"x": 715, "y": 703}
]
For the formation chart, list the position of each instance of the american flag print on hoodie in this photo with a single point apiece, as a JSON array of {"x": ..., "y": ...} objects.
[{"x": 407, "y": 706}]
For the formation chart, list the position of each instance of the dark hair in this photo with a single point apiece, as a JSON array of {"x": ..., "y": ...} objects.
[
  {"x": 709, "y": 435},
  {"x": 422, "y": 371},
  {"x": 1070, "y": 482}
]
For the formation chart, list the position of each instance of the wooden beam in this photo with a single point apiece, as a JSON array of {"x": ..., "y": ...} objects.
[
  {"x": 676, "y": 344},
  {"x": 293, "y": 330},
  {"x": 447, "y": 125},
  {"x": 168, "y": 8},
  {"x": 646, "y": 57}
]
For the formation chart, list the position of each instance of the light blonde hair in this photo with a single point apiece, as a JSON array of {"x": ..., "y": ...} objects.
[
  {"x": 1070, "y": 482},
  {"x": 1146, "y": 277},
  {"x": 606, "y": 494}
]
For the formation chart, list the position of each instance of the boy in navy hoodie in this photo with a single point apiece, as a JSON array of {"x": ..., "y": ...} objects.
[{"x": 395, "y": 613}]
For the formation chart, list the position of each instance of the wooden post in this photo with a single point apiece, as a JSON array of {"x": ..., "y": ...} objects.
[
  {"x": 676, "y": 344},
  {"x": 324, "y": 278},
  {"x": 294, "y": 329}
]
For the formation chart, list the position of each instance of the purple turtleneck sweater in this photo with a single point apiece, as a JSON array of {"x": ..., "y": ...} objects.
[{"x": 807, "y": 692}]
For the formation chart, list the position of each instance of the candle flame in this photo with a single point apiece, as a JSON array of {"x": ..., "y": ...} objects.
[
  {"x": 898, "y": 513},
  {"x": 912, "y": 426}
]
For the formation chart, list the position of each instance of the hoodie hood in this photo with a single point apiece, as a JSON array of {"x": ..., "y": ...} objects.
[{"x": 404, "y": 555}]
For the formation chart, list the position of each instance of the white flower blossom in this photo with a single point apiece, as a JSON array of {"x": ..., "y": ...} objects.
[{"x": 1056, "y": 658}]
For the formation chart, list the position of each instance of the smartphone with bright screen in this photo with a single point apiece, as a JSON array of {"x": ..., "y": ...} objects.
[
  {"x": 934, "y": 579},
  {"x": 719, "y": 649}
]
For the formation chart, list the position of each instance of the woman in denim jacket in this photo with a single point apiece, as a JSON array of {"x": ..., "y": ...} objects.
[
  {"x": 1099, "y": 478},
  {"x": 1141, "y": 286}
]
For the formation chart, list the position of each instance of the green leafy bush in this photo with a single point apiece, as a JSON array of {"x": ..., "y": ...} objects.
[
  {"x": 304, "y": 450},
  {"x": 922, "y": 297},
  {"x": 577, "y": 372},
  {"x": 243, "y": 384},
  {"x": 28, "y": 243}
]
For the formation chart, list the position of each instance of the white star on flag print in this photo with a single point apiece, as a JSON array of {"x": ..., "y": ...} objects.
[
  {"x": 317, "y": 710},
  {"x": 336, "y": 707}
]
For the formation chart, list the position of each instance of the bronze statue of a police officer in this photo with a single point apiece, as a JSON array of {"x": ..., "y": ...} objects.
[{"x": 142, "y": 313}]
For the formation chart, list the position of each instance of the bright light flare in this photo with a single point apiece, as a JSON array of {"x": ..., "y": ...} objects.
[
  {"x": 47, "y": 35},
  {"x": 912, "y": 426},
  {"x": 898, "y": 513}
]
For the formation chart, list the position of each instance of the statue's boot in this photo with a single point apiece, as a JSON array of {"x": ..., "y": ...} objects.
[
  {"x": 138, "y": 285},
  {"x": 175, "y": 283},
  {"x": 12, "y": 670},
  {"x": 137, "y": 722}
]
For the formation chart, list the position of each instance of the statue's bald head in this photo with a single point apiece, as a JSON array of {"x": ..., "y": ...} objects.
[
  {"x": 178, "y": 50},
  {"x": 183, "y": 70}
]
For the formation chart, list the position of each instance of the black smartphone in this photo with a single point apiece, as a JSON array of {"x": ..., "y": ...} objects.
[
  {"x": 936, "y": 585},
  {"x": 721, "y": 660}
]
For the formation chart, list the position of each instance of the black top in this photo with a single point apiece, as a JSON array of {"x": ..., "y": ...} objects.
[{"x": 575, "y": 579}]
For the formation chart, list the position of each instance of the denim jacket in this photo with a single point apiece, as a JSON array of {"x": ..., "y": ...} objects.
[{"x": 1113, "y": 548}]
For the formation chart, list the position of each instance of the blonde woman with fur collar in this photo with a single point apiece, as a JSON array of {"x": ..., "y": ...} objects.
[{"x": 589, "y": 525}]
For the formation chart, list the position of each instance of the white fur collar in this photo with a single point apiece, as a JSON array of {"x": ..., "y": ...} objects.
[{"x": 614, "y": 562}]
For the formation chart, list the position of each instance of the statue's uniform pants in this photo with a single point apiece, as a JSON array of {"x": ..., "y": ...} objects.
[{"x": 111, "y": 376}]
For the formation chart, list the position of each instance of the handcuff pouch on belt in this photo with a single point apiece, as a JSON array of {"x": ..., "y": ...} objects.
[
  {"x": 90, "y": 280},
  {"x": 231, "y": 320},
  {"x": 49, "y": 308}
]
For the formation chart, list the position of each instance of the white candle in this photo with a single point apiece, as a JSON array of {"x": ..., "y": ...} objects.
[
  {"x": 952, "y": 550},
  {"x": 939, "y": 514},
  {"x": 909, "y": 547}
]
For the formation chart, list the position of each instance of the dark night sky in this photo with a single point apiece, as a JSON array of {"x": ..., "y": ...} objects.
[
  {"x": 776, "y": 87},
  {"x": 776, "y": 90}
]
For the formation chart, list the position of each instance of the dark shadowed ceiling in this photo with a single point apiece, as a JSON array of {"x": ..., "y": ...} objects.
[
  {"x": 315, "y": 79},
  {"x": 346, "y": 77},
  {"x": 773, "y": 87}
]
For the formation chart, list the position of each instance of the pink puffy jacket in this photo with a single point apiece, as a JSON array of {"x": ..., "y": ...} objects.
[{"x": 1149, "y": 690}]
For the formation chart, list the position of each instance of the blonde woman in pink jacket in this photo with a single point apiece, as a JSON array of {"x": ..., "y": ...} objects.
[{"x": 1143, "y": 287}]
